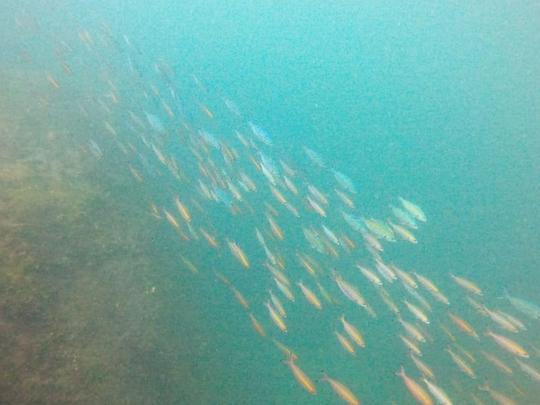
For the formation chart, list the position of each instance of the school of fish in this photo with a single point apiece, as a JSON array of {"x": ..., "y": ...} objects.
[{"x": 296, "y": 230}]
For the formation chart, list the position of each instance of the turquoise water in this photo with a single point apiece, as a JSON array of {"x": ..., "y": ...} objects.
[{"x": 108, "y": 301}]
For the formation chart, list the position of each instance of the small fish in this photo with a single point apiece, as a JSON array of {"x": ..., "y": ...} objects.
[
  {"x": 422, "y": 367},
  {"x": 508, "y": 344},
  {"x": 342, "y": 390},
  {"x": 417, "y": 312},
  {"x": 284, "y": 349},
  {"x": 463, "y": 325},
  {"x": 405, "y": 277},
  {"x": 53, "y": 81},
  {"x": 276, "y": 229},
  {"x": 466, "y": 284},
  {"x": 440, "y": 396},
  {"x": 284, "y": 288},
  {"x": 310, "y": 296},
  {"x": 172, "y": 220},
  {"x": 301, "y": 376},
  {"x": 413, "y": 347},
  {"x": 403, "y": 232},
  {"x": 183, "y": 210},
  {"x": 497, "y": 396},
  {"x": 240, "y": 297},
  {"x": 413, "y": 209},
  {"x": 257, "y": 325},
  {"x": 371, "y": 276},
  {"x": 528, "y": 308},
  {"x": 238, "y": 253},
  {"x": 280, "y": 323},
  {"x": 345, "y": 343},
  {"x": 414, "y": 388},
  {"x": 385, "y": 271},
  {"x": 353, "y": 332},
  {"x": 277, "y": 303},
  {"x": 530, "y": 370},
  {"x": 497, "y": 362},
  {"x": 461, "y": 363},
  {"x": 427, "y": 283},
  {"x": 316, "y": 207},
  {"x": 501, "y": 320},
  {"x": 412, "y": 330}
]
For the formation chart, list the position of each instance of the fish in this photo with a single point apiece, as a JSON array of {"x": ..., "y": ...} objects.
[
  {"x": 412, "y": 330},
  {"x": 316, "y": 207},
  {"x": 422, "y": 367},
  {"x": 501, "y": 320},
  {"x": 404, "y": 217},
  {"x": 466, "y": 284},
  {"x": 290, "y": 185},
  {"x": 277, "y": 304},
  {"x": 314, "y": 157},
  {"x": 240, "y": 297},
  {"x": 276, "y": 229},
  {"x": 427, "y": 283},
  {"x": 525, "y": 307},
  {"x": 280, "y": 323},
  {"x": 497, "y": 396},
  {"x": 238, "y": 253},
  {"x": 284, "y": 288},
  {"x": 310, "y": 296},
  {"x": 416, "y": 295},
  {"x": 417, "y": 312},
  {"x": 388, "y": 300},
  {"x": 53, "y": 81},
  {"x": 352, "y": 293},
  {"x": 380, "y": 229},
  {"x": 344, "y": 181},
  {"x": 508, "y": 344},
  {"x": 260, "y": 133},
  {"x": 385, "y": 271},
  {"x": 414, "y": 388},
  {"x": 183, "y": 210},
  {"x": 345, "y": 343},
  {"x": 257, "y": 325},
  {"x": 405, "y": 277},
  {"x": 413, "y": 209},
  {"x": 463, "y": 325},
  {"x": 403, "y": 232},
  {"x": 319, "y": 195},
  {"x": 529, "y": 370},
  {"x": 371, "y": 276},
  {"x": 497, "y": 362},
  {"x": 212, "y": 241},
  {"x": 331, "y": 235},
  {"x": 301, "y": 376},
  {"x": 461, "y": 363},
  {"x": 172, "y": 220},
  {"x": 353, "y": 332},
  {"x": 413, "y": 347},
  {"x": 345, "y": 198},
  {"x": 342, "y": 390},
  {"x": 441, "y": 397},
  {"x": 284, "y": 349},
  {"x": 517, "y": 323}
]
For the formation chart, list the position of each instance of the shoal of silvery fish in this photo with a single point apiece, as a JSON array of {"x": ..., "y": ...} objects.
[{"x": 241, "y": 175}]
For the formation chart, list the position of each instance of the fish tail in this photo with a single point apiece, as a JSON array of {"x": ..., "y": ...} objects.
[
  {"x": 324, "y": 376},
  {"x": 401, "y": 371},
  {"x": 484, "y": 387}
]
